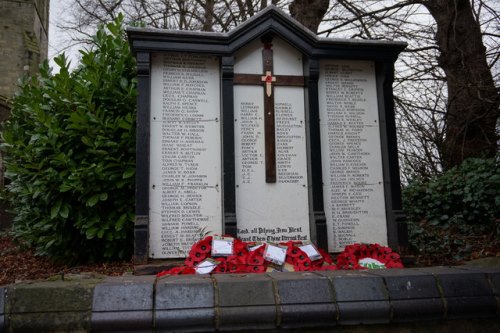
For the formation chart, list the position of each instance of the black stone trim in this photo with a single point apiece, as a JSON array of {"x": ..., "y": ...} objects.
[
  {"x": 269, "y": 20},
  {"x": 311, "y": 69},
  {"x": 228, "y": 158},
  {"x": 141, "y": 239},
  {"x": 142, "y": 156},
  {"x": 396, "y": 231}
]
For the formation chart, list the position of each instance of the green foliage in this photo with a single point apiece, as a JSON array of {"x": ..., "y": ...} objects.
[
  {"x": 70, "y": 154},
  {"x": 449, "y": 214}
]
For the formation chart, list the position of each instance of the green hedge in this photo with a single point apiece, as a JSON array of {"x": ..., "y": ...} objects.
[
  {"x": 450, "y": 214},
  {"x": 69, "y": 148}
]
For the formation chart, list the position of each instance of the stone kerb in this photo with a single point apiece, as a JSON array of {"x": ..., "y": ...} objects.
[
  {"x": 305, "y": 300},
  {"x": 123, "y": 303},
  {"x": 185, "y": 304},
  {"x": 437, "y": 298},
  {"x": 49, "y": 306},
  {"x": 361, "y": 297},
  {"x": 412, "y": 294},
  {"x": 466, "y": 293},
  {"x": 245, "y": 301}
]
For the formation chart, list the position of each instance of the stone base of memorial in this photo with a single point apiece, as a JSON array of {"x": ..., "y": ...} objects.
[{"x": 433, "y": 299}]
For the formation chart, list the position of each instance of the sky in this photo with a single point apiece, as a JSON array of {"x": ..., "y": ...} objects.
[{"x": 58, "y": 39}]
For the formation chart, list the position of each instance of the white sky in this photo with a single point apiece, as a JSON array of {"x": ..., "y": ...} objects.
[{"x": 58, "y": 39}]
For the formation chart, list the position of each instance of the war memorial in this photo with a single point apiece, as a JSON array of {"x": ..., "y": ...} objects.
[{"x": 267, "y": 133}]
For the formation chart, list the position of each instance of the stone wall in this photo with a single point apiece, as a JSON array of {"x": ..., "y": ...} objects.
[{"x": 23, "y": 42}]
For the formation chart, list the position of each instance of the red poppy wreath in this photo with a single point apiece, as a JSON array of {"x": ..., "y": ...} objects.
[
  {"x": 368, "y": 256},
  {"x": 250, "y": 257}
]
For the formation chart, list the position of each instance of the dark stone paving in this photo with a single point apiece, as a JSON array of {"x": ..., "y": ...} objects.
[{"x": 437, "y": 298}]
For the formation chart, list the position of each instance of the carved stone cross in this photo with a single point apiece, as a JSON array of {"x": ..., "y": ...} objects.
[{"x": 269, "y": 82}]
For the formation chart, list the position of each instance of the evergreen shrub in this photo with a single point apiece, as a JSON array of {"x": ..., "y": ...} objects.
[
  {"x": 69, "y": 148},
  {"x": 457, "y": 212}
]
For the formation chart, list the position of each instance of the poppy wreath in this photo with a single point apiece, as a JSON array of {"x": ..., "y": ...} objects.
[
  {"x": 380, "y": 256},
  {"x": 246, "y": 258},
  {"x": 199, "y": 252},
  {"x": 301, "y": 261}
]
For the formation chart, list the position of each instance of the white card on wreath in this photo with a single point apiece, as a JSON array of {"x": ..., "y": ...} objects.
[
  {"x": 255, "y": 247},
  {"x": 275, "y": 254},
  {"x": 222, "y": 246},
  {"x": 311, "y": 251},
  {"x": 206, "y": 266}
]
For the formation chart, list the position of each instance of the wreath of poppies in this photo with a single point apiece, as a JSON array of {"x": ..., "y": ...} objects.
[
  {"x": 382, "y": 257},
  {"x": 248, "y": 257}
]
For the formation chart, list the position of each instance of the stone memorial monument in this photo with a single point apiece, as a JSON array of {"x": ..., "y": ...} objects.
[{"x": 267, "y": 133}]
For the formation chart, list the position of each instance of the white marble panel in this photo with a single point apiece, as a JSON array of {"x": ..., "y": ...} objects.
[
  {"x": 351, "y": 154},
  {"x": 185, "y": 152},
  {"x": 271, "y": 211}
]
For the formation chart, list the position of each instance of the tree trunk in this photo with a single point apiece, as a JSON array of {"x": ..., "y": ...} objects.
[
  {"x": 473, "y": 100},
  {"x": 309, "y": 12},
  {"x": 208, "y": 9}
]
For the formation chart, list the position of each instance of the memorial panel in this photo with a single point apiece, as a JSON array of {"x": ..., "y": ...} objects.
[
  {"x": 266, "y": 211},
  {"x": 185, "y": 152},
  {"x": 351, "y": 154}
]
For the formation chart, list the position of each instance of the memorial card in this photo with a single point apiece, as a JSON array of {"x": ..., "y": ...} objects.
[
  {"x": 222, "y": 246},
  {"x": 275, "y": 254},
  {"x": 311, "y": 251},
  {"x": 206, "y": 266}
]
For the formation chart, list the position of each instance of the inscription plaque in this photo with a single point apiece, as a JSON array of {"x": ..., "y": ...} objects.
[
  {"x": 185, "y": 162},
  {"x": 351, "y": 154}
]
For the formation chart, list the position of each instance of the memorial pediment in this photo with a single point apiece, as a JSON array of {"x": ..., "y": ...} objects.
[
  {"x": 267, "y": 133},
  {"x": 268, "y": 21}
]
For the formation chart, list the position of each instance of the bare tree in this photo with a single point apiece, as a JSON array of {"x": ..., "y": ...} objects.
[
  {"x": 447, "y": 101},
  {"x": 473, "y": 100},
  {"x": 309, "y": 12}
]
